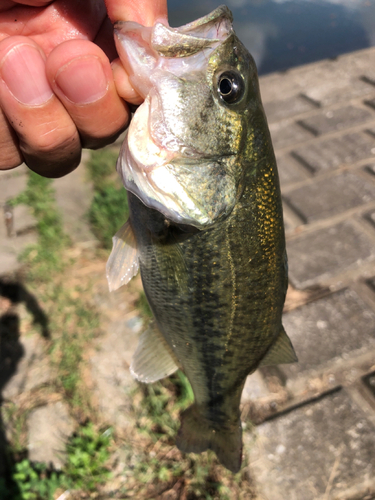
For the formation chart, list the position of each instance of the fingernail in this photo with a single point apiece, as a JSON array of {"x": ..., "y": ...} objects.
[
  {"x": 82, "y": 80},
  {"x": 23, "y": 71}
]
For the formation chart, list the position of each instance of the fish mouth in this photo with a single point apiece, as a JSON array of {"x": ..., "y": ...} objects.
[
  {"x": 157, "y": 58},
  {"x": 143, "y": 50}
]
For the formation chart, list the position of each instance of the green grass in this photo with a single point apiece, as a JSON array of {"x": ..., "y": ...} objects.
[
  {"x": 109, "y": 207},
  {"x": 44, "y": 258},
  {"x": 87, "y": 453}
]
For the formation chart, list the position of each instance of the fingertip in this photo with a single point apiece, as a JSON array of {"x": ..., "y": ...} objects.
[
  {"x": 123, "y": 85},
  {"x": 81, "y": 76},
  {"x": 145, "y": 12}
]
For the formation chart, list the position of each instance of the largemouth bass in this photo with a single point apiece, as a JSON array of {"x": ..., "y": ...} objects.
[{"x": 206, "y": 225}]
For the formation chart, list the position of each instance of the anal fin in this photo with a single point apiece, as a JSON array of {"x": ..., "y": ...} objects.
[
  {"x": 152, "y": 359},
  {"x": 123, "y": 263},
  {"x": 280, "y": 352}
]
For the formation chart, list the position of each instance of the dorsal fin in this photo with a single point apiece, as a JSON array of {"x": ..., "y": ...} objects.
[
  {"x": 122, "y": 264},
  {"x": 153, "y": 359},
  {"x": 280, "y": 352}
]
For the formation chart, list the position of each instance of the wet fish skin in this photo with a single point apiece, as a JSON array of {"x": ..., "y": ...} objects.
[{"x": 217, "y": 290}]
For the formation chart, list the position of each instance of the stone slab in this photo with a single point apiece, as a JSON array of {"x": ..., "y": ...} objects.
[
  {"x": 286, "y": 134},
  {"x": 333, "y": 120},
  {"x": 335, "y": 152},
  {"x": 8, "y": 262},
  {"x": 255, "y": 388},
  {"x": 319, "y": 451},
  {"x": 49, "y": 427},
  {"x": 332, "y": 329},
  {"x": 112, "y": 381},
  {"x": 24, "y": 364},
  {"x": 287, "y": 108},
  {"x": 12, "y": 185},
  {"x": 23, "y": 219},
  {"x": 321, "y": 255},
  {"x": 334, "y": 89},
  {"x": 73, "y": 198},
  {"x": 289, "y": 170},
  {"x": 327, "y": 197}
]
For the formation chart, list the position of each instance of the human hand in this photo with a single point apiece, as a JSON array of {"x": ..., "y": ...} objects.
[{"x": 58, "y": 92}]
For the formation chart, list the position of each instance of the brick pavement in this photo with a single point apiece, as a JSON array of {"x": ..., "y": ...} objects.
[{"x": 316, "y": 439}]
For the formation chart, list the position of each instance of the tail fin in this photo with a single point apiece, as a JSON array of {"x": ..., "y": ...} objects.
[{"x": 197, "y": 434}]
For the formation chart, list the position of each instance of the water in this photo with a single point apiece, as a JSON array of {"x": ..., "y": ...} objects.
[{"x": 281, "y": 34}]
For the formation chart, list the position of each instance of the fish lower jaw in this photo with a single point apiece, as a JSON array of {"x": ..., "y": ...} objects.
[{"x": 158, "y": 188}]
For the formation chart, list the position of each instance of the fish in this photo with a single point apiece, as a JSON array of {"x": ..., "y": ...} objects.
[{"x": 206, "y": 226}]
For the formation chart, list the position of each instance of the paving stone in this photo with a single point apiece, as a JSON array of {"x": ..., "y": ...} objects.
[
  {"x": 336, "y": 119},
  {"x": 255, "y": 388},
  {"x": 337, "y": 151},
  {"x": 49, "y": 427},
  {"x": 24, "y": 364},
  {"x": 324, "y": 253},
  {"x": 319, "y": 451},
  {"x": 289, "y": 170},
  {"x": 285, "y": 134},
  {"x": 334, "y": 90},
  {"x": 10, "y": 248},
  {"x": 73, "y": 197},
  {"x": 327, "y": 197},
  {"x": 287, "y": 108},
  {"x": 12, "y": 185},
  {"x": 110, "y": 373},
  {"x": 337, "y": 327},
  {"x": 23, "y": 220}
]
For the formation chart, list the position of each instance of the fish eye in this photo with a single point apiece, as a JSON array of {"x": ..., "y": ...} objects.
[{"x": 230, "y": 87}]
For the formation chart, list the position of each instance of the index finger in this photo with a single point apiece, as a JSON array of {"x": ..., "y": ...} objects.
[{"x": 145, "y": 12}]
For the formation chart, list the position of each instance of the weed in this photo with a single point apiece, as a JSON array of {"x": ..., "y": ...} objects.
[
  {"x": 101, "y": 167},
  {"x": 30, "y": 482},
  {"x": 109, "y": 207},
  {"x": 44, "y": 258},
  {"x": 86, "y": 454}
]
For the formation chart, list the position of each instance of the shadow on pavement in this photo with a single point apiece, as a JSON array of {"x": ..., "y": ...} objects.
[{"x": 11, "y": 352}]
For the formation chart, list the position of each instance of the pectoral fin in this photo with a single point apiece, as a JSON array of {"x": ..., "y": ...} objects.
[
  {"x": 280, "y": 352},
  {"x": 152, "y": 359},
  {"x": 122, "y": 264}
]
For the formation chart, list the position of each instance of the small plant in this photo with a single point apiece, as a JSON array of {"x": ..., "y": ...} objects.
[
  {"x": 29, "y": 481},
  {"x": 87, "y": 453}
]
